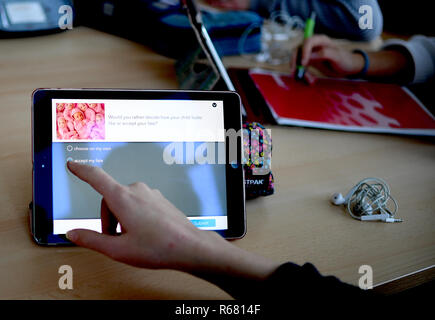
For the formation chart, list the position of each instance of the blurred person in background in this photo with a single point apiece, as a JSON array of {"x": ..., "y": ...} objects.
[{"x": 336, "y": 18}]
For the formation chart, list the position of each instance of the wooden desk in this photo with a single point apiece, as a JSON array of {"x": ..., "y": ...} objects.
[{"x": 296, "y": 224}]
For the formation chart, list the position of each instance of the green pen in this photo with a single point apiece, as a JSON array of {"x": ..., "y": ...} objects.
[{"x": 308, "y": 33}]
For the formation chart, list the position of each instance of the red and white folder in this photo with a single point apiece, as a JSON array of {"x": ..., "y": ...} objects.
[{"x": 347, "y": 105}]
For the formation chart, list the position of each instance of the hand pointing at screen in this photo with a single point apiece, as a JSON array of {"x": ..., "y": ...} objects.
[{"x": 155, "y": 234}]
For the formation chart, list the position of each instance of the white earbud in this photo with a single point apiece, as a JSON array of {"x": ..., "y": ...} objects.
[{"x": 338, "y": 199}]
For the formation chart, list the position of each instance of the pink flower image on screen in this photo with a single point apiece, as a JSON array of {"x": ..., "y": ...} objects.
[{"x": 80, "y": 121}]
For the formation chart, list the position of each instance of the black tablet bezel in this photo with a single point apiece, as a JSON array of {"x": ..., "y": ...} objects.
[{"x": 41, "y": 209}]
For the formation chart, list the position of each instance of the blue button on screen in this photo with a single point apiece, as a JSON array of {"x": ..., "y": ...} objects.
[{"x": 204, "y": 223}]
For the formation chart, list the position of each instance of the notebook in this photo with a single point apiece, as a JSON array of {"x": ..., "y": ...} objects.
[{"x": 348, "y": 105}]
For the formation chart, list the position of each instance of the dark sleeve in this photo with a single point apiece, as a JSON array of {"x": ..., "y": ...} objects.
[
  {"x": 298, "y": 284},
  {"x": 305, "y": 281}
]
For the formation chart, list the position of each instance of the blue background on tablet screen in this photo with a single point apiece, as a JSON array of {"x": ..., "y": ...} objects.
[{"x": 197, "y": 190}]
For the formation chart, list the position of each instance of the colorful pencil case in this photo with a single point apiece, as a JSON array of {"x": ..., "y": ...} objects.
[{"x": 257, "y": 160}]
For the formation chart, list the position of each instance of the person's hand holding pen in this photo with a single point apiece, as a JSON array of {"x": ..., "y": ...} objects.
[
  {"x": 325, "y": 55},
  {"x": 322, "y": 53}
]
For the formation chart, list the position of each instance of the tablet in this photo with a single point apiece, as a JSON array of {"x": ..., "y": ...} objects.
[{"x": 187, "y": 144}]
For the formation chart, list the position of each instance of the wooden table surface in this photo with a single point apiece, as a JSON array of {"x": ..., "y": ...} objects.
[{"x": 296, "y": 224}]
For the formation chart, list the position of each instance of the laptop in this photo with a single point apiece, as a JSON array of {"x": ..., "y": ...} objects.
[{"x": 203, "y": 69}]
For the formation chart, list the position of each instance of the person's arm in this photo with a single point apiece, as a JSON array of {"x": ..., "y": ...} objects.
[
  {"x": 325, "y": 55},
  {"x": 157, "y": 235},
  {"x": 420, "y": 51},
  {"x": 389, "y": 64}
]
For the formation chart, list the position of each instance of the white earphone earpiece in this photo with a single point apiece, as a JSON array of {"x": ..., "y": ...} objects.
[{"x": 337, "y": 199}]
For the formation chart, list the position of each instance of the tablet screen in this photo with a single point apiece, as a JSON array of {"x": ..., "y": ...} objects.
[{"x": 175, "y": 146}]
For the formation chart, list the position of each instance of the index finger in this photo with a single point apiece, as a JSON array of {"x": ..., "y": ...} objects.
[
  {"x": 100, "y": 180},
  {"x": 311, "y": 43}
]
